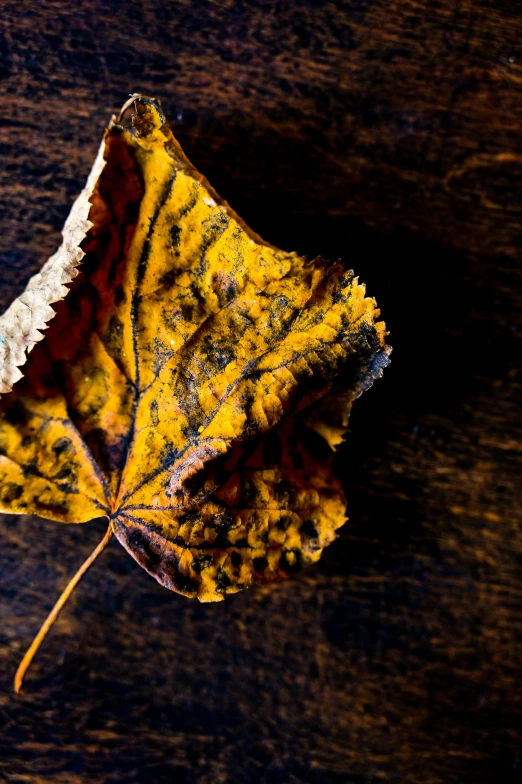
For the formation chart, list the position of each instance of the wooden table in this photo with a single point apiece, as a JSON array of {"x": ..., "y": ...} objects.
[{"x": 388, "y": 133}]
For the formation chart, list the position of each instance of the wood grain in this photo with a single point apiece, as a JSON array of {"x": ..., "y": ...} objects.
[{"x": 388, "y": 134}]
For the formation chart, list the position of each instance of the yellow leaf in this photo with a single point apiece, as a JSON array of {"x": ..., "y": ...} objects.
[{"x": 191, "y": 382}]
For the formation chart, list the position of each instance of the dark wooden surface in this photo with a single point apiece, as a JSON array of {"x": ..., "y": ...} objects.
[{"x": 388, "y": 133}]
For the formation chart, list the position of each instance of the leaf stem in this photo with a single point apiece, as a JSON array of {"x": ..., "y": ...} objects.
[{"x": 55, "y": 612}]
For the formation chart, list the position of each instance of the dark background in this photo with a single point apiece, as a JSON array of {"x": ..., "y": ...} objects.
[{"x": 388, "y": 133}]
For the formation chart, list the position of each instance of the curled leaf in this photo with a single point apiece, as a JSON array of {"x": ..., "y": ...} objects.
[
  {"x": 21, "y": 324},
  {"x": 193, "y": 381}
]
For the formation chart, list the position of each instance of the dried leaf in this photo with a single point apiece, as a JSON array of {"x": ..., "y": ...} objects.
[
  {"x": 20, "y": 325},
  {"x": 192, "y": 381}
]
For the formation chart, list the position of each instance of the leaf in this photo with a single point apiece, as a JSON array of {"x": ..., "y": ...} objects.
[{"x": 192, "y": 382}]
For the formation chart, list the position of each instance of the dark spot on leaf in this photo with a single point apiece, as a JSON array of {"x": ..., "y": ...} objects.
[
  {"x": 11, "y": 492},
  {"x": 223, "y": 582},
  {"x": 175, "y": 235},
  {"x": 135, "y": 540},
  {"x": 168, "y": 279},
  {"x": 283, "y": 522},
  {"x": 225, "y": 287},
  {"x": 62, "y": 445},
  {"x": 52, "y": 508},
  {"x": 139, "y": 544},
  {"x": 202, "y": 562},
  {"x": 31, "y": 469},
  {"x": 184, "y": 583},
  {"x": 63, "y": 473},
  {"x": 223, "y": 522},
  {"x": 69, "y": 488},
  {"x": 189, "y": 517},
  {"x": 308, "y": 529},
  {"x": 260, "y": 564}
]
